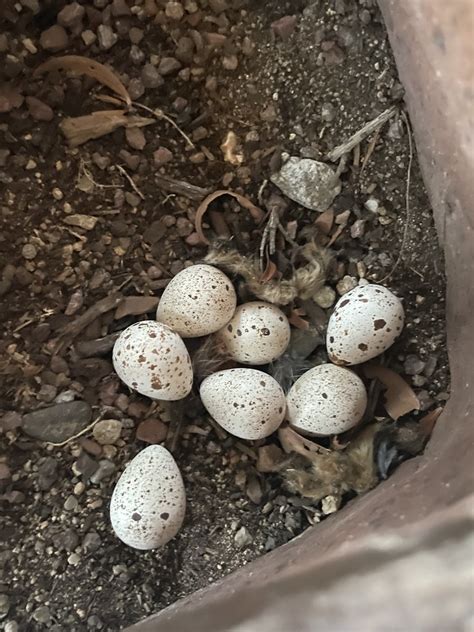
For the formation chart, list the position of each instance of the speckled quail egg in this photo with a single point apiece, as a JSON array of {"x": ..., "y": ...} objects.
[
  {"x": 258, "y": 333},
  {"x": 198, "y": 301},
  {"x": 326, "y": 400},
  {"x": 248, "y": 403},
  {"x": 153, "y": 360},
  {"x": 148, "y": 503},
  {"x": 366, "y": 321}
]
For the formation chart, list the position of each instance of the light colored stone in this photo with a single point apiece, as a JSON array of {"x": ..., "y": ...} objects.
[{"x": 308, "y": 182}]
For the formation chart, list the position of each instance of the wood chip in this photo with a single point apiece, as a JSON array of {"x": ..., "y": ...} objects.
[
  {"x": 84, "y": 66},
  {"x": 180, "y": 187},
  {"x": 256, "y": 212},
  {"x": 229, "y": 149},
  {"x": 86, "y": 222},
  {"x": 400, "y": 398},
  {"x": 135, "y": 306}
]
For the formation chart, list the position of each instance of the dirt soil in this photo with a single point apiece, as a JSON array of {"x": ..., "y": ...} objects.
[{"x": 300, "y": 88}]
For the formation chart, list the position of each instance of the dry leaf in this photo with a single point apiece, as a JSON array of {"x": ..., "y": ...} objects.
[
  {"x": 85, "y": 66},
  {"x": 80, "y": 129},
  {"x": 291, "y": 441},
  {"x": 229, "y": 149},
  {"x": 399, "y": 396},
  {"x": 428, "y": 422},
  {"x": 325, "y": 221},
  {"x": 135, "y": 306},
  {"x": 269, "y": 273},
  {"x": 256, "y": 213},
  {"x": 296, "y": 320}
]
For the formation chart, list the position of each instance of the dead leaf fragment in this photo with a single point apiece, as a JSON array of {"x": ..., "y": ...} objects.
[
  {"x": 229, "y": 149},
  {"x": 84, "y": 66},
  {"x": 87, "y": 222},
  {"x": 255, "y": 212},
  {"x": 399, "y": 396},
  {"x": 135, "y": 306},
  {"x": 270, "y": 272},
  {"x": 296, "y": 320},
  {"x": 291, "y": 441},
  {"x": 80, "y": 129}
]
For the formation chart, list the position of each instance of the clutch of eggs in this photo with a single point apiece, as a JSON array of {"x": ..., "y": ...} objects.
[
  {"x": 149, "y": 502},
  {"x": 326, "y": 400},
  {"x": 365, "y": 322},
  {"x": 246, "y": 402},
  {"x": 198, "y": 301},
  {"x": 152, "y": 360},
  {"x": 258, "y": 333}
]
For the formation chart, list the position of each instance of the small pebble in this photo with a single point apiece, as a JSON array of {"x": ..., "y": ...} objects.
[
  {"x": 71, "y": 503},
  {"x": 413, "y": 365},
  {"x": 107, "y": 37},
  {"x": 88, "y": 37},
  {"x": 107, "y": 431},
  {"x": 29, "y": 252},
  {"x": 162, "y": 156},
  {"x": 169, "y": 66},
  {"x": 54, "y": 39},
  {"x": 174, "y": 10},
  {"x": 42, "y": 615},
  {"x": 242, "y": 538},
  {"x": 151, "y": 78},
  {"x": 372, "y": 205}
]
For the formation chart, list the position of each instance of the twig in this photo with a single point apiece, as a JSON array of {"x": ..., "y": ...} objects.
[
  {"x": 159, "y": 114},
  {"x": 180, "y": 187},
  {"x": 370, "y": 150},
  {"x": 84, "y": 170},
  {"x": 359, "y": 136},
  {"x": 407, "y": 201},
  {"x": 73, "y": 329},
  {"x": 97, "y": 347},
  {"x": 76, "y": 436},
  {"x": 132, "y": 183}
]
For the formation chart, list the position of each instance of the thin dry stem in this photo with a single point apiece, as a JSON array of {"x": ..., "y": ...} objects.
[
  {"x": 407, "y": 202},
  {"x": 76, "y": 436},
  {"x": 132, "y": 183}
]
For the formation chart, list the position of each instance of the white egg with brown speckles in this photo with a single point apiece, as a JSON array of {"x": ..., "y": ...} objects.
[
  {"x": 258, "y": 333},
  {"x": 326, "y": 400},
  {"x": 198, "y": 301},
  {"x": 366, "y": 322},
  {"x": 149, "y": 501},
  {"x": 248, "y": 403},
  {"x": 153, "y": 360}
]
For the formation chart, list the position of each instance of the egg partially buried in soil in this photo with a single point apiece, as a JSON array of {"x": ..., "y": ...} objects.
[
  {"x": 198, "y": 301},
  {"x": 326, "y": 400},
  {"x": 153, "y": 360},
  {"x": 258, "y": 333},
  {"x": 149, "y": 501},
  {"x": 248, "y": 403},
  {"x": 366, "y": 321}
]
